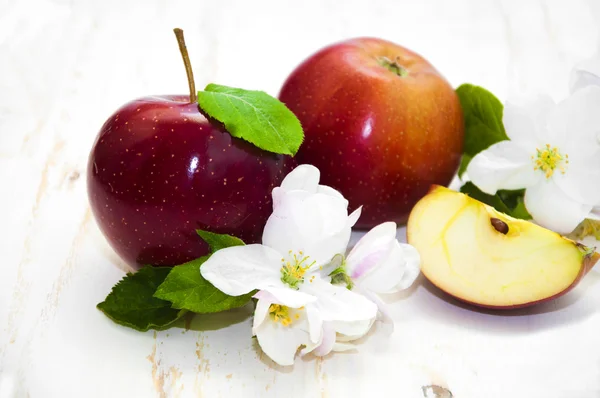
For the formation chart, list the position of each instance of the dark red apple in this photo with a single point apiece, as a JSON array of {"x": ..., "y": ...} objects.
[
  {"x": 159, "y": 170},
  {"x": 380, "y": 123}
]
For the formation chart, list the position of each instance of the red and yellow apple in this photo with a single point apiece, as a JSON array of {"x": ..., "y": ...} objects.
[
  {"x": 487, "y": 258},
  {"x": 380, "y": 122}
]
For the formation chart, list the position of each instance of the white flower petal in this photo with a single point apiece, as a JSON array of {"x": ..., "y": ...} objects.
[
  {"x": 354, "y": 216},
  {"x": 315, "y": 324},
  {"x": 315, "y": 224},
  {"x": 349, "y": 331},
  {"x": 324, "y": 189},
  {"x": 327, "y": 342},
  {"x": 284, "y": 200},
  {"x": 504, "y": 165},
  {"x": 324, "y": 271},
  {"x": 580, "y": 181},
  {"x": 240, "y": 269},
  {"x": 280, "y": 342},
  {"x": 383, "y": 314},
  {"x": 289, "y": 297},
  {"x": 586, "y": 74},
  {"x": 371, "y": 249},
  {"x": 551, "y": 208},
  {"x": 260, "y": 312},
  {"x": 277, "y": 194},
  {"x": 412, "y": 261},
  {"x": 577, "y": 118},
  {"x": 336, "y": 303},
  {"x": 304, "y": 177},
  {"x": 525, "y": 119},
  {"x": 395, "y": 272}
]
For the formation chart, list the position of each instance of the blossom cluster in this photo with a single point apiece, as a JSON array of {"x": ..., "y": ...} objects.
[
  {"x": 311, "y": 293},
  {"x": 553, "y": 152}
]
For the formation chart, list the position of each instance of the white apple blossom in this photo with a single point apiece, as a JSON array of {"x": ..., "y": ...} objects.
[
  {"x": 584, "y": 75},
  {"x": 296, "y": 301},
  {"x": 553, "y": 153},
  {"x": 377, "y": 264}
]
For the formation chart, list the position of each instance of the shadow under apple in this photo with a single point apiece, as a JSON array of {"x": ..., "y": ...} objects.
[{"x": 546, "y": 315}]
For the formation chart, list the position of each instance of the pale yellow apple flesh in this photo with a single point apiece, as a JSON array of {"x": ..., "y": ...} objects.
[{"x": 466, "y": 256}]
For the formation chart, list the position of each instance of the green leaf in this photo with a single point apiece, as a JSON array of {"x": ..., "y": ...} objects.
[
  {"x": 493, "y": 200},
  {"x": 483, "y": 121},
  {"x": 219, "y": 241},
  {"x": 187, "y": 289},
  {"x": 505, "y": 201},
  {"x": 520, "y": 211},
  {"x": 131, "y": 302},
  {"x": 253, "y": 116},
  {"x": 464, "y": 162}
]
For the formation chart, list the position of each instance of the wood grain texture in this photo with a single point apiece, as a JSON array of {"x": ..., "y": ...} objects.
[{"x": 67, "y": 65}]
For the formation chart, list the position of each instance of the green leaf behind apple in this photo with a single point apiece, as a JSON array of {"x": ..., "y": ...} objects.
[
  {"x": 505, "y": 201},
  {"x": 483, "y": 121}
]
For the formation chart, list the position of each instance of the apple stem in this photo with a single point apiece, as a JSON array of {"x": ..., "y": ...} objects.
[
  {"x": 187, "y": 63},
  {"x": 393, "y": 66}
]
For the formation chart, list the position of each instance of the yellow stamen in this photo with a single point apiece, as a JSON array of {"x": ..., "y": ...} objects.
[
  {"x": 549, "y": 159},
  {"x": 281, "y": 314},
  {"x": 292, "y": 273}
]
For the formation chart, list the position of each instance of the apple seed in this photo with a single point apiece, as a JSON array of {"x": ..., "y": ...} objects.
[{"x": 500, "y": 225}]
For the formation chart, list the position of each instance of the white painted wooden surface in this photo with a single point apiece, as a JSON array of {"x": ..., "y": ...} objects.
[{"x": 66, "y": 65}]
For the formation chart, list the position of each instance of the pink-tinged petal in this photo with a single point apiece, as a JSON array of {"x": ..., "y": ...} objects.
[
  {"x": 553, "y": 209},
  {"x": 371, "y": 249},
  {"x": 240, "y": 269},
  {"x": 504, "y": 165},
  {"x": 395, "y": 272},
  {"x": 303, "y": 178},
  {"x": 327, "y": 342},
  {"x": 315, "y": 324}
]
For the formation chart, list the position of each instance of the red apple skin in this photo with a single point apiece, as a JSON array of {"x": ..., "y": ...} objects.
[
  {"x": 379, "y": 138},
  {"x": 159, "y": 170}
]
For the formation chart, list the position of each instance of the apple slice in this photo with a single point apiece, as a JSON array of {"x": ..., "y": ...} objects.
[{"x": 487, "y": 258}]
